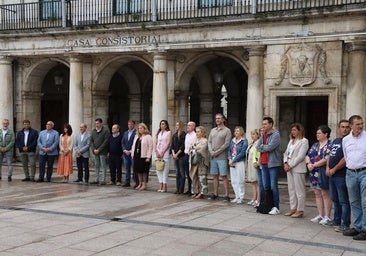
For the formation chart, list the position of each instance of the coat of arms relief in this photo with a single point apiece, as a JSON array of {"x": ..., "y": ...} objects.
[{"x": 301, "y": 63}]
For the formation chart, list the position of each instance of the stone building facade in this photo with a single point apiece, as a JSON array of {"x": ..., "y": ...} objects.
[{"x": 294, "y": 66}]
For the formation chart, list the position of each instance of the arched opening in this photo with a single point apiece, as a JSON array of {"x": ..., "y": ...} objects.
[
  {"x": 219, "y": 85},
  {"x": 55, "y": 96},
  {"x": 130, "y": 94}
]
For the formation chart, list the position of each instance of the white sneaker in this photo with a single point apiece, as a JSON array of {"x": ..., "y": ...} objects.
[
  {"x": 255, "y": 204},
  {"x": 325, "y": 221},
  {"x": 251, "y": 202},
  {"x": 235, "y": 200},
  {"x": 274, "y": 211},
  {"x": 239, "y": 201},
  {"x": 317, "y": 219}
]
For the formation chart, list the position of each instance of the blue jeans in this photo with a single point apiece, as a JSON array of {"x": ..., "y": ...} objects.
[
  {"x": 260, "y": 183},
  {"x": 127, "y": 160},
  {"x": 186, "y": 170},
  {"x": 356, "y": 185},
  {"x": 339, "y": 195},
  {"x": 100, "y": 162},
  {"x": 270, "y": 181},
  {"x": 180, "y": 175}
]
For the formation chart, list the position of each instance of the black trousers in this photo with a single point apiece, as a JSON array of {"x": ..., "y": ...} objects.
[
  {"x": 115, "y": 167},
  {"x": 83, "y": 165}
]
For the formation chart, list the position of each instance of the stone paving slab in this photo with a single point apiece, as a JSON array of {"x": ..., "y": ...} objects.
[{"x": 71, "y": 219}]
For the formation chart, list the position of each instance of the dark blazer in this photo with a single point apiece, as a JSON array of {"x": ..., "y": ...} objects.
[
  {"x": 31, "y": 143},
  {"x": 127, "y": 143}
]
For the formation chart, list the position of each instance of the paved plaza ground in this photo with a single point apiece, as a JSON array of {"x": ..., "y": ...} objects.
[{"x": 71, "y": 219}]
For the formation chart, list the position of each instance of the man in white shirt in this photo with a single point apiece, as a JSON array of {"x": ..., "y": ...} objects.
[
  {"x": 354, "y": 149},
  {"x": 189, "y": 140}
]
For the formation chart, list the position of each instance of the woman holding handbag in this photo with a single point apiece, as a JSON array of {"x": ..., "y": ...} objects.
[
  {"x": 199, "y": 162},
  {"x": 163, "y": 139}
]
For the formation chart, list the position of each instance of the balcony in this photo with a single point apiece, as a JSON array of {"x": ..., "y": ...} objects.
[{"x": 77, "y": 13}]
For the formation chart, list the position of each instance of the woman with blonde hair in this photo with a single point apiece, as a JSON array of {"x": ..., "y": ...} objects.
[
  {"x": 295, "y": 168},
  {"x": 199, "y": 162},
  {"x": 253, "y": 167},
  {"x": 236, "y": 155},
  {"x": 141, "y": 154}
]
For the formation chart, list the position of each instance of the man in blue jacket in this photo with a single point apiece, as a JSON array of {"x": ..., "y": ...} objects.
[
  {"x": 127, "y": 141},
  {"x": 47, "y": 143},
  {"x": 26, "y": 142}
]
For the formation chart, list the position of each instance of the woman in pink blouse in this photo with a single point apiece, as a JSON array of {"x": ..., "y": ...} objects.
[
  {"x": 163, "y": 139},
  {"x": 141, "y": 154}
]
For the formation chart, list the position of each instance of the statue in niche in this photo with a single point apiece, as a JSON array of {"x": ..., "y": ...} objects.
[{"x": 301, "y": 63}]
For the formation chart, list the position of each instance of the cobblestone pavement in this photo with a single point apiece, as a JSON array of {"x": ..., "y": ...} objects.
[{"x": 71, "y": 219}]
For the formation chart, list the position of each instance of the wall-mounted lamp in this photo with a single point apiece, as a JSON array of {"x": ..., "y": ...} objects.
[{"x": 58, "y": 78}]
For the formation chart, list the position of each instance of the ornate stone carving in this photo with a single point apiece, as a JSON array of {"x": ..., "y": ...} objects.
[
  {"x": 181, "y": 58},
  {"x": 301, "y": 63}
]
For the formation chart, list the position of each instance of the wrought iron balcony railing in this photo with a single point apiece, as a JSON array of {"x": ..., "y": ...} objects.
[{"x": 71, "y": 13}]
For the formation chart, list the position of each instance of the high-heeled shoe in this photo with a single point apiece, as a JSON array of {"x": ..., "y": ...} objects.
[
  {"x": 298, "y": 214},
  {"x": 290, "y": 213}
]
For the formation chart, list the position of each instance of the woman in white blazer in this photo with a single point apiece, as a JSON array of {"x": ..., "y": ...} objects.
[{"x": 295, "y": 167}]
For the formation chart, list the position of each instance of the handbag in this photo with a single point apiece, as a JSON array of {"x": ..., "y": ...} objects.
[
  {"x": 196, "y": 158},
  {"x": 159, "y": 165}
]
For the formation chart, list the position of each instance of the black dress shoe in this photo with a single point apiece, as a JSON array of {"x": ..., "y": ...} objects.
[
  {"x": 40, "y": 180},
  {"x": 78, "y": 181},
  {"x": 126, "y": 185},
  {"x": 187, "y": 193},
  {"x": 360, "y": 237},
  {"x": 9, "y": 178},
  {"x": 351, "y": 232},
  {"x": 26, "y": 179},
  {"x": 32, "y": 180}
]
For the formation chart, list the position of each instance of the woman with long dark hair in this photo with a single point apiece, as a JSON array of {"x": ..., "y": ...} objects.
[{"x": 66, "y": 144}]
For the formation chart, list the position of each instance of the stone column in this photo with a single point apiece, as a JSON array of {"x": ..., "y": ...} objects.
[
  {"x": 160, "y": 91},
  {"x": 7, "y": 100},
  {"x": 135, "y": 108},
  {"x": 206, "y": 115},
  {"x": 255, "y": 89},
  {"x": 181, "y": 106},
  {"x": 76, "y": 108},
  {"x": 356, "y": 80}
]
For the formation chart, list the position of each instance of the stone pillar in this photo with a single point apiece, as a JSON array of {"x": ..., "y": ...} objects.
[
  {"x": 356, "y": 80},
  {"x": 206, "y": 115},
  {"x": 31, "y": 108},
  {"x": 160, "y": 91},
  {"x": 7, "y": 100},
  {"x": 135, "y": 108},
  {"x": 76, "y": 114},
  {"x": 255, "y": 89},
  {"x": 181, "y": 106}
]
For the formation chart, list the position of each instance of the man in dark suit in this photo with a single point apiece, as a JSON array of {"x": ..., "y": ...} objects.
[
  {"x": 127, "y": 141},
  {"x": 81, "y": 149},
  {"x": 26, "y": 142}
]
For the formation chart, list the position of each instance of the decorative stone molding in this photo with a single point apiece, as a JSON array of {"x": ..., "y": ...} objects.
[
  {"x": 31, "y": 95},
  {"x": 301, "y": 63},
  {"x": 355, "y": 46},
  {"x": 256, "y": 51}
]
